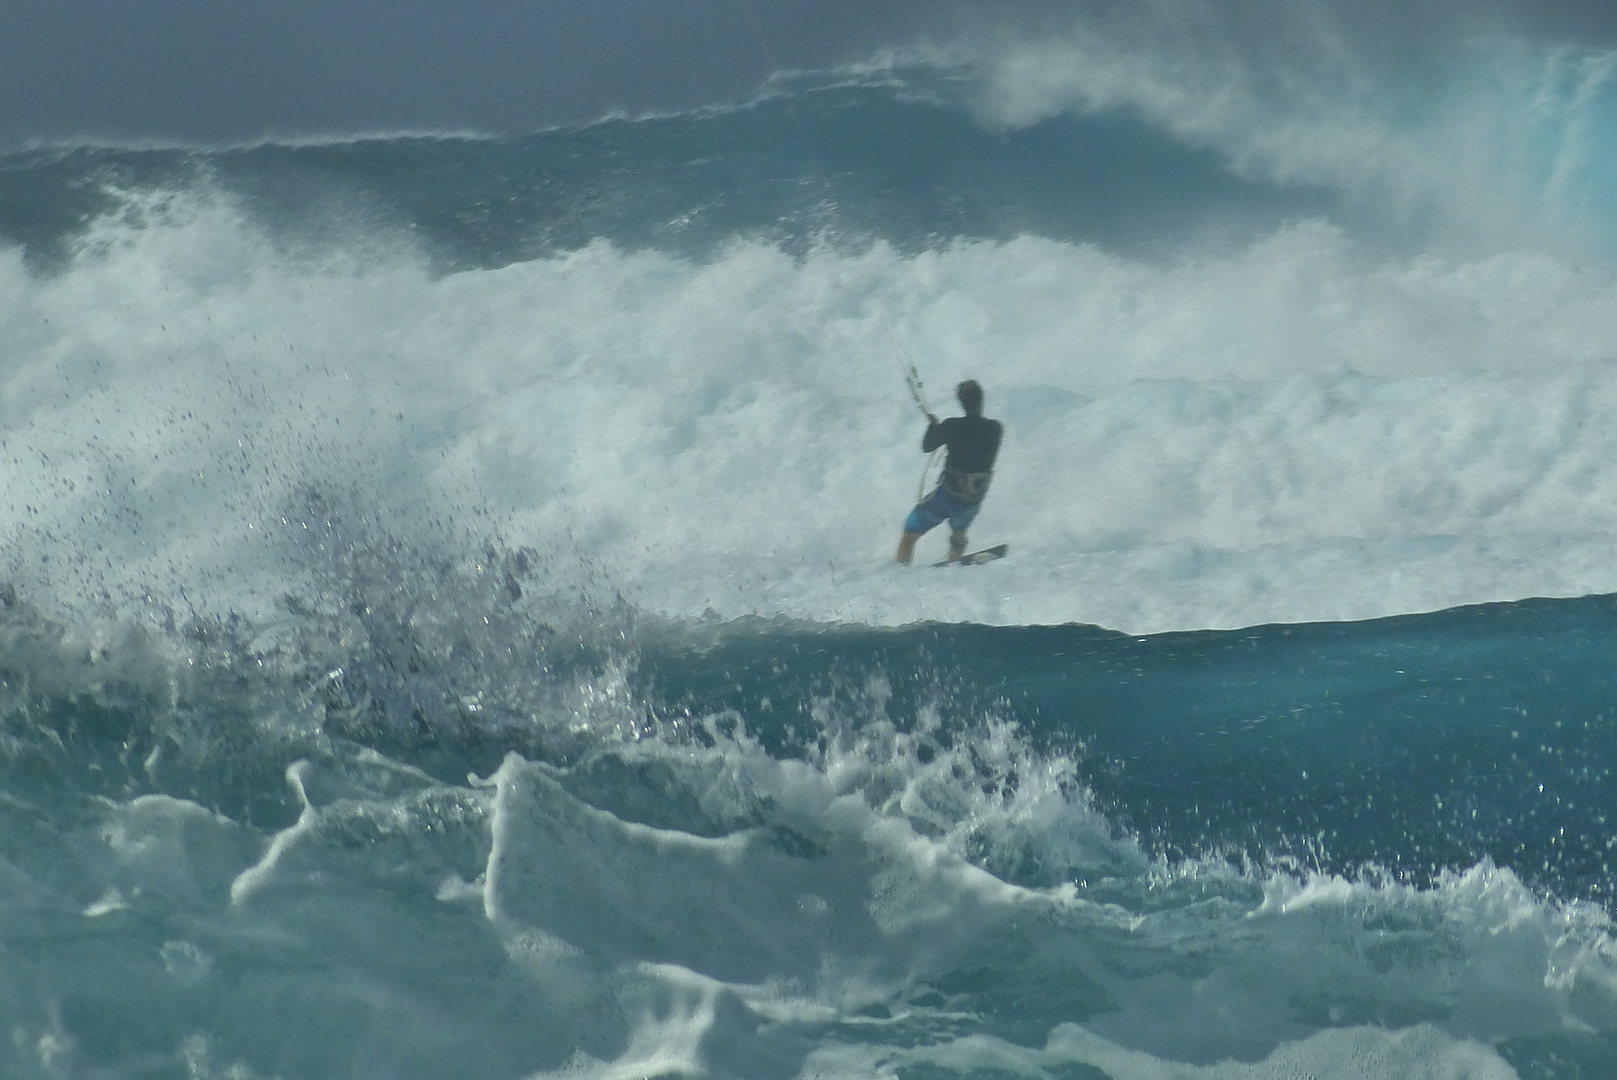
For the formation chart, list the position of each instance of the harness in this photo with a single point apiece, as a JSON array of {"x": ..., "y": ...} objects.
[{"x": 967, "y": 486}]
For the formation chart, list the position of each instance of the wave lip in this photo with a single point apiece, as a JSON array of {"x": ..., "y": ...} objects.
[{"x": 1473, "y": 138}]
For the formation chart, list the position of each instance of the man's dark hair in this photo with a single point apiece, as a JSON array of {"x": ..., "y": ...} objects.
[{"x": 970, "y": 394}]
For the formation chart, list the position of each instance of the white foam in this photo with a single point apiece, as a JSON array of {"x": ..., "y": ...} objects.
[
  {"x": 1473, "y": 138},
  {"x": 1300, "y": 431},
  {"x": 824, "y": 917},
  {"x": 1363, "y": 1053}
]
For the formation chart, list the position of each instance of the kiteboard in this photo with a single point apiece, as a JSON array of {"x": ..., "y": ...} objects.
[{"x": 977, "y": 557}]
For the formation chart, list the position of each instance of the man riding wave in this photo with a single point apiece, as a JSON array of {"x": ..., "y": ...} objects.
[{"x": 973, "y": 442}]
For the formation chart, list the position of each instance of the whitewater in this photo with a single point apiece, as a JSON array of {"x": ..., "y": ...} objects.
[
  {"x": 735, "y": 435},
  {"x": 450, "y": 628}
]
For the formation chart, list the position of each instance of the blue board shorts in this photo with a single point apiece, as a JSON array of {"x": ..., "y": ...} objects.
[{"x": 938, "y": 507}]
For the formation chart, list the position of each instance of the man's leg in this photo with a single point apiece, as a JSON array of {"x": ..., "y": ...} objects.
[
  {"x": 959, "y": 521},
  {"x": 906, "y": 546},
  {"x": 922, "y": 519}
]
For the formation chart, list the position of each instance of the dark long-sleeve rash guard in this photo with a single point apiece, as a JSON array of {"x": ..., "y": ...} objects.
[{"x": 973, "y": 443}]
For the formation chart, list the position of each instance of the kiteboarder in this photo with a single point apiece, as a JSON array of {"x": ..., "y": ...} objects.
[{"x": 973, "y": 442}]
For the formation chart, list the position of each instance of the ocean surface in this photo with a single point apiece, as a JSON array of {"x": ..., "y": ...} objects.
[{"x": 448, "y": 625}]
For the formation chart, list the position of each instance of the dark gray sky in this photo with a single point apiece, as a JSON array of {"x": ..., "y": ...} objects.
[{"x": 235, "y": 70}]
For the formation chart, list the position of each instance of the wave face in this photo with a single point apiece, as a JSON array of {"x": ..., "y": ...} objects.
[{"x": 448, "y": 627}]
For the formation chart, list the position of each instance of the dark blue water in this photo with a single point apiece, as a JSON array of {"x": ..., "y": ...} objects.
[
  {"x": 1414, "y": 745},
  {"x": 845, "y": 165}
]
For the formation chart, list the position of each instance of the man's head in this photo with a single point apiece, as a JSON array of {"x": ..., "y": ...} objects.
[{"x": 970, "y": 394}]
